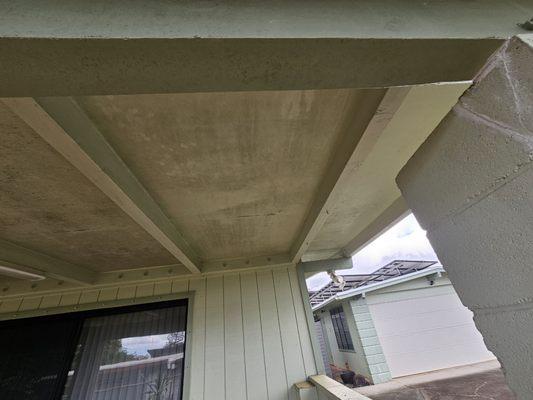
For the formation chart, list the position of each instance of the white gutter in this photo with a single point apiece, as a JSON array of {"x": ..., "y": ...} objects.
[{"x": 380, "y": 285}]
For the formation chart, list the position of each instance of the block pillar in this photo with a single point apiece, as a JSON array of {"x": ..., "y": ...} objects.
[{"x": 470, "y": 186}]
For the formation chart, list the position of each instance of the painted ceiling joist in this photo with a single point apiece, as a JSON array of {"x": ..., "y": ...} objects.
[
  {"x": 63, "y": 125},
  {"x": 26, "y": 260},
  {"x": 371, "y": 119}
]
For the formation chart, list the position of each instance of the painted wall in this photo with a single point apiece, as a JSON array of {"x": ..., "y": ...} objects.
[
  {"x": 324, "y": 347},
  {"x": 369, "y": 344},
  {"x": 424, "y": 328},
  {"x": 249, "y": 338},
  {"x": 356, "y": 359}
]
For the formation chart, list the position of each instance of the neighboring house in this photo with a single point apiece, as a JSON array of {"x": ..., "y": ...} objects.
[{"x": 403, "y": 319}]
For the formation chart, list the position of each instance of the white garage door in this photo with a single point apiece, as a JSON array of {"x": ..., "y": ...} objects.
[{"x": 426, "y": 329}]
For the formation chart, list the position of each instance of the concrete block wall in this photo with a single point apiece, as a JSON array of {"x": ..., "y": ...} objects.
[
  {"x": 470, "y": 185},
  {"x": 377, "y": 364}
]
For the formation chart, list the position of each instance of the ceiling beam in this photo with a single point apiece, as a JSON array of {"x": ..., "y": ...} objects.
[
  {"x": 66, "y": 127},
  {"x": 312, "y": 267},
  {"x": 79, "y": 67},
  {"x": 245, "y": 263},
  {"x": 152, "y": 46},
  {"x": 372, "y": 118},
  {"x": 390, "y": 216},
  {"x": 26, "y": 260}
]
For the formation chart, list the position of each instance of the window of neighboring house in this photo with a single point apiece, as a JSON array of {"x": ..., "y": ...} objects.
[{"x": 340, "y": 326}]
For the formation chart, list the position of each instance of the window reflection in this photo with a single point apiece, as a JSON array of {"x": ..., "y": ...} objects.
[{"x": 130, "y": 356}]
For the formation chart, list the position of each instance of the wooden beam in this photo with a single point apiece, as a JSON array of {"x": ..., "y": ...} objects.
[
  {"x": 65, "y": 126},
  {"x": 245, "y": 263},
  {"x": 390, "y": 216},
  {"x": 95, "y": 66},
  {"x": 312, "y": 267},
  {"x": 23, "y": 259},
  {"x": 372, "y": 118},
  {"x": 182, "y": 46}
]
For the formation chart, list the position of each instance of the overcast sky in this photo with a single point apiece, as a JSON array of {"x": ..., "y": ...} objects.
[{"x": 404, "y": 241}]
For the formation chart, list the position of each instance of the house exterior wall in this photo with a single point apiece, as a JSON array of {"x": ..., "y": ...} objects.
[
  {"x": 354, "y": 360},
  {"x": 247, "y": 339},
  {"x": 424, "y": 328},
  {"x": 369, "y": 341},
  {"x": 324, "y": 346}
]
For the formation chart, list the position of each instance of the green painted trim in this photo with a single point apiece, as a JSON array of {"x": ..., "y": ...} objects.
[{"x": 93, "y": 306}]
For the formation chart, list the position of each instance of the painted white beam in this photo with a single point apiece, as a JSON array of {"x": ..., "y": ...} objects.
[
  {"x": 352, "y": 151},
  {"x": 49, "y": 49},
  {"x": 23, "y": 259},
  {"x": 64, "y": 125}
]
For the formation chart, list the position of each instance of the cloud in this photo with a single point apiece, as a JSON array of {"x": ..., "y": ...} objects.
[{"x": 404, "y": 241}]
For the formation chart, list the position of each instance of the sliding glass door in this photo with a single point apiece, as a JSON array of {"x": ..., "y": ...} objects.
[
  {"x": 134, "y": 353},
  {"x": 34, "y": 358}
]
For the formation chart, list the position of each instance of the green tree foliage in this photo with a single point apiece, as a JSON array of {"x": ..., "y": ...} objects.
[{"x": 114, "y": 353}]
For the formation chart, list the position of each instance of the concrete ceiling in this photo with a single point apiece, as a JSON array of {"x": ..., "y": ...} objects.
[
  {"x": 370, "y": 187},
  {"x": 235, "y": 172},
  {"x": 168, "y": 138},
  {"x": 208, "y": 181},
  {"x": 48, "y": 206}
]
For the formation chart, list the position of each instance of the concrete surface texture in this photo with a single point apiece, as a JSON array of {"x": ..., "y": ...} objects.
[
  {"x": 236, "y": 172},
  {"x": 368, "y": 189},
  {"x": 226, "y": 136},
  {"x": 196, "y": 47},
  {"x": 475, "y": 382},
  {"x": 47, "y": 205},
  {"x": 470, "y": 187},
  {"x": 277, "y": 175}
]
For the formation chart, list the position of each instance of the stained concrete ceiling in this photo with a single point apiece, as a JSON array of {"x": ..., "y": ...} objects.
[
  {"x": 241, "y": 178},
  {"x": 236, "y": 172},
  {"x": 370, "y": 188},
  {"x": 48, "y": 206}
]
